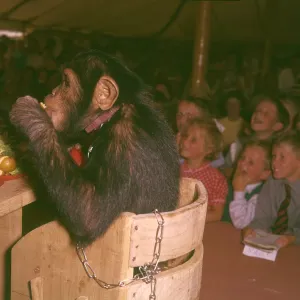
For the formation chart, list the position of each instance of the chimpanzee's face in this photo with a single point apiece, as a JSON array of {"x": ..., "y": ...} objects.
[
  {"x": 61, "y": 103},
  {"x": 84, "y": 93}
]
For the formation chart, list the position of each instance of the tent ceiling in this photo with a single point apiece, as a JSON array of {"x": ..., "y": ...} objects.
[{"x": 244, "y": 20}]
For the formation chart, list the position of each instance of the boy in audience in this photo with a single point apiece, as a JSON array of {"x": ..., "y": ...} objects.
[
  {"x": 278, "y": 206},
  {"x": 269, "y": 118},
  {"x": 253, "y": 168}
]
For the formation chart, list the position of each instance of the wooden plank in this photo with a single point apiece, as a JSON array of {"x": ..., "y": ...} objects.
[
  {"x": 183, "y": 232},
  {"x": 190, "y": 191},
  {"x": 14, "y": 194},
  {"x": 48, "y": 252},
  {"x": 180, "y": 283},
  {"x": 183, "y": 229},
  {"x": 36, "y": 286},
  {"x": 10, "y": 232}
]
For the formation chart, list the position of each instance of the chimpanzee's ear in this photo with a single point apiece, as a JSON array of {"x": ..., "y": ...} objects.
[{"x": 106, "y": 93}]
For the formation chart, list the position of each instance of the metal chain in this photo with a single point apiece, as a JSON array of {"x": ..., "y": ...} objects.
[{"x": 146, "y": 273}]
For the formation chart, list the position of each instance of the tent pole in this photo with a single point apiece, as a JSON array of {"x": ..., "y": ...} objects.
[
  {"x": 271, "y": 14},
  {"x": 201, "y": 46}
]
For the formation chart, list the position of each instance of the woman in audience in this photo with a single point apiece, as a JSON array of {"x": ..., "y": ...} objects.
[
  {"x": 233, "y": 121},
  {"x": 200, "y": 143}
]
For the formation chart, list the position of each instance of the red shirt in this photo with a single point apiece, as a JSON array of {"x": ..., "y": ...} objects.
[{"x": 213, "y": 180}]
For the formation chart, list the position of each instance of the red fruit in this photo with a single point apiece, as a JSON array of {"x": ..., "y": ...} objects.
[{"x": 77, "y": 156}]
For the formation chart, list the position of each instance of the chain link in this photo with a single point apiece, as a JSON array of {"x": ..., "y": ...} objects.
[{"x": 146, "y": 273}]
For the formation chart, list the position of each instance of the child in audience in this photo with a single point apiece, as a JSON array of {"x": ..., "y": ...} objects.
[
  {"x": 196, "y": 107},
  {"x": 191, "y": 108},
  {"x": 200, "y": 143},
  {"x": 253, "y": 168},
  {"x": 233, "y": 121},
  {"x": 278, "y": 206},
  {"x": 269, "y": 118}
]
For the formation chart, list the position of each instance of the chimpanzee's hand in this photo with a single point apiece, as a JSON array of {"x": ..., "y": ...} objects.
[{"x": 26, "y": 114}]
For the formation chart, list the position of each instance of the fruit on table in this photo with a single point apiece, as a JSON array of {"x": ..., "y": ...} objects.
[{"x": 7, "y": 164}]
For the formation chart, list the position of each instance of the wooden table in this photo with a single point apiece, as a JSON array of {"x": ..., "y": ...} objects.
[
  {"x": 13, "y": 196},
  {"x": 230, "y": 275}
]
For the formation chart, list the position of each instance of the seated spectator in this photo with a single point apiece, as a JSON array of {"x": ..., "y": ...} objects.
[
  {"x": 200, "y": 143},
  {"x": 196, "y": 107},
  {"x": 268, "y": 119},
  {"x": 253, "y": 168},
  {"x": 233, "y": 121},
  {"x": 278, "y": 205}
]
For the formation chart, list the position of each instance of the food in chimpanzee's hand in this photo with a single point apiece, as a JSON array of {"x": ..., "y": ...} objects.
[{"x": 43, "y": 105}]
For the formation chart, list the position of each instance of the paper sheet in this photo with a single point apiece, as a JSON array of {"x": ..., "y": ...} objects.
[{"x": 259, "y": 253}]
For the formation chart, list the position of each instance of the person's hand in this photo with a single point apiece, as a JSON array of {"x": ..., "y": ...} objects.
[
  {"x": 240, "y": 181},
  {"x": 248, "y": 232},
  {"x": 285, "y": 240}
]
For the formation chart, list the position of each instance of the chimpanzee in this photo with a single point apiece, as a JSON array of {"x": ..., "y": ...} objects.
[{"x": 132, "y": 162}]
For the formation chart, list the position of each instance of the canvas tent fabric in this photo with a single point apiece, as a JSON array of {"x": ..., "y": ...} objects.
[{"x": 243, "y": 20}]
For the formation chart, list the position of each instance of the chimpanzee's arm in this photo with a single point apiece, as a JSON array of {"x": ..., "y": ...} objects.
[{"x": 86, "y": 214}]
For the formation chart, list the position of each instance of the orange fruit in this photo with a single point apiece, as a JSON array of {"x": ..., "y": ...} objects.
[{"x": 7, "y": 164}]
